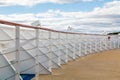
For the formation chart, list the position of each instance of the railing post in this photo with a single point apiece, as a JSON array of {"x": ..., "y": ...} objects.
[
  {"x": 82, "y": 48},
  {"x": 74, "y": 51},
  {"x": 17, "y": 55},
  {"x": 79, "y": 47},
  {"x": 66, "y": 49},
  {"x": 87, "y": 47},
  {"x": 50, "y": 51},
  {"x": 101, "y": 44},
  {"x": 118, "y": 42},
  {"x": 59, "y": 54},
  {"x": 105, "y": 42},
  {"x": 85, "y": 43},
  {"x": 90, "y": 49},
  {"x": 96, "y": 46},
  {"x": 92, "y": 46},
  {"x": 110, "y": 44},
  {"x": 36, "y": 57},
  {"x": 114, "y": 44}
]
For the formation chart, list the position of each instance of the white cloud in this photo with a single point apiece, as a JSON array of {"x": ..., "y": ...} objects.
[
  {"x": 106, "y": 18},
  {"x": 34, "y": 2}
]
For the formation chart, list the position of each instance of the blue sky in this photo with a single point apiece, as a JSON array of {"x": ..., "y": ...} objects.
[
  {"x": 44, "y": 7},
  {"x": 86, "y": 16}
]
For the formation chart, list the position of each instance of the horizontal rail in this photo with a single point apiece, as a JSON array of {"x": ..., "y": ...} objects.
[{"x": 35, "y": 27}]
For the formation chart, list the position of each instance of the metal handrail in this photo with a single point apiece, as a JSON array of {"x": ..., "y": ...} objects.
[{"x": 47, "y": 29}]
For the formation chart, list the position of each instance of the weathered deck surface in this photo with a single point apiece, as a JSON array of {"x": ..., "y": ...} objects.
[{"x": 100, "y": 66}]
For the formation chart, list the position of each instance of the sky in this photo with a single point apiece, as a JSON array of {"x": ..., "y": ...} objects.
[{"x": 84, "y": 16}]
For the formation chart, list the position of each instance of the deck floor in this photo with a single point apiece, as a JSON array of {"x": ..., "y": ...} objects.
[{"x": 100, "y": 66}]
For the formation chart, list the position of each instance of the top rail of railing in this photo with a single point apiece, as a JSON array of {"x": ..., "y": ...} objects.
[{"x": 35, "y": 27}]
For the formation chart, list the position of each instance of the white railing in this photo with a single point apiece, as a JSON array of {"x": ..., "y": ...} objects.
[{"x": 35, "y": 50}]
